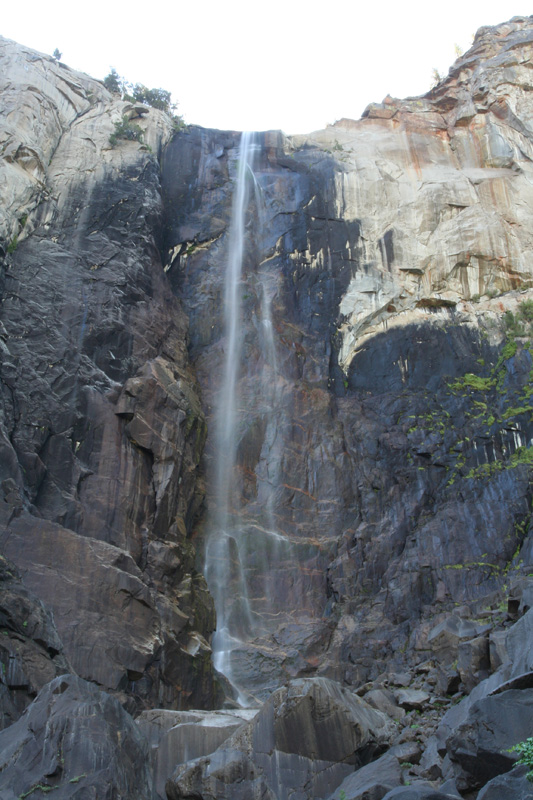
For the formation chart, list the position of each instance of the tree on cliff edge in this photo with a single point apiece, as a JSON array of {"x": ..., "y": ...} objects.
[{"x": 156, "y": 98}]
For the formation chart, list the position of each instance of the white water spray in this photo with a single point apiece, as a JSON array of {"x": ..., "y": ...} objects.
[
  {"x": 251, "y": 567},
  {"x": 222, "y": 553}
]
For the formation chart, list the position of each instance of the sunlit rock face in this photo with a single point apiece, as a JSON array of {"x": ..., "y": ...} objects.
[
  {"x": 101, "y": 427},
  {"x": 442, "y": 187},
  {"x": 389, "y": 249}
]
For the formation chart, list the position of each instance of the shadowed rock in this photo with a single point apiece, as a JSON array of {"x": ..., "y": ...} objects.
[
  {"x": 307, "y": 737},
  {"x": 74, "y": 741}
]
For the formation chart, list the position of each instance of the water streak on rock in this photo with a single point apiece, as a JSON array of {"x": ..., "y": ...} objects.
[{"x": 223, "y": 551}]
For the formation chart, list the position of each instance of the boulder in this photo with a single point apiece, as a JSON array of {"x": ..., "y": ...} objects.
[
  {"x": 371, "y": 782},
  {"x": 418, "y": 791},
  {"x": 519, "y": 645},
  {"x": 514, "y": 785},
  {"x": 411, "y": 699},
  {"x": 431, "y": 762},
  {"x": 176, "y": 737},
  {"x": 479, "y": 747},
  {"x": 445, "y": 638},
  {"x": 384, "y": 701},
  {"x": 307, "y": 737},
  {"x": 474, "y": 661},
  {"x": 74, "y": 741}
]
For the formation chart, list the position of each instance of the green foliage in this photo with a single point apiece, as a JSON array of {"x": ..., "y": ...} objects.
[
  {"x": 526, "y": 310},
  {"x": 177, "y": 123},
  {"x": 156, "y": 98},
  {"x": 513, "y": 325},
  {"x": 525, "y": 751},
  {"x": 57, "y": 54},
  {"x": 491, "y": 399},
  {"x": 471, "y": 381},
  {"x": 139, "y": 93},
  {"x": 39, "y": 787},
  {"x": 516, "y": 411},
  {"x": 12, "y": 246},
  {"x": 522, "y": 455},
  {"x": 126, "y": 129},
  {"x": 113, "y": 82}
]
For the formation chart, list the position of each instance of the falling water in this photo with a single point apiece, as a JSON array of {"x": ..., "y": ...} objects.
[
  {"x": 250, "y": 566},
  {"x": 233, "y": 614}
]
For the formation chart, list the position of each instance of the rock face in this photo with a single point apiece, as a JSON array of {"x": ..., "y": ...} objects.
[
  {"x": 388, "y": 446},
  {"x": 307, "y": 736},
  {"x": 77, "y": 742},
  {"x": 101, "y": 428},
  {"x": 382, "y": 495},
  {"x": 30, "y": 648}
]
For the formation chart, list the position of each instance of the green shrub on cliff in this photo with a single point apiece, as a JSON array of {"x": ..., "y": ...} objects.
[
  {"x": 126, "y": 129},
  {"x": 139, "y": 93}
]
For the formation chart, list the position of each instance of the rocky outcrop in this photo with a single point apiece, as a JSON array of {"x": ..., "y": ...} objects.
[
  {"x": 308, "y": 735},
  {"x": 30, "y": 647},
  {"x": 101, "y": 426},
  {"x": 74, "y": 741},
  {"x": 177, "y": 737}
]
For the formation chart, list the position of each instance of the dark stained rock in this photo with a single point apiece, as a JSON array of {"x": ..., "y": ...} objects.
[
  {"x": 101, "y": 428},
  {"x": 479, "y": 747},
  {"x": 176, "y": 737},
  {"x": 74, "y": 741},
  {"x": 31, "y": 652},
  {"x": 513, "y": 785},
  {"x": 371, "y": 782},
  {"x": 418, "y": 791},
  {"x": 307, "y": 737}
]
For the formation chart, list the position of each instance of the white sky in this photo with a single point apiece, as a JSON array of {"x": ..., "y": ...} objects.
[{"x": 236, "y": 64}]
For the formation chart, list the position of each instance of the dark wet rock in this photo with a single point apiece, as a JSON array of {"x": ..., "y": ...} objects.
[
  {"x": 371, "y": 782},
  {"x": 31, "y": 652},
  {"x": 307, "y": 737},
  {"x": 176, "y": 737},
  {"x": 513, "y": 785},
  {"x": 418, "y": 791},
  {"x": 479, "y": 747},
  {"x": 101, "y": 428},
  {"x": 74, "y": 741}
]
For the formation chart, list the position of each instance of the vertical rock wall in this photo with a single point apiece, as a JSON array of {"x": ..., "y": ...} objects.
[
  {"x": 397, "y": 252},
  {"x": 101, "y": 426}
]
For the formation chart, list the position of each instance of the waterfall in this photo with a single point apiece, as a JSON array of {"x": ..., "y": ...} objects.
[
  {"x": 251, "y": 566},
  {"x": 223, "y": 563}
]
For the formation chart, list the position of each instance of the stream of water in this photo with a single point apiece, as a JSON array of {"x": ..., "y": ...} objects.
[
  {"x": 250, "y": 566},
  {"x": 223, "y": 562}
]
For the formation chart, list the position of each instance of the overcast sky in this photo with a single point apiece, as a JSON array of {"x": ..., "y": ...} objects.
[{"x": 240, "y": 65}]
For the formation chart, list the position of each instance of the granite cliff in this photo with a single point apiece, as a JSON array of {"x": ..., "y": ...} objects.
[{"x": 382, "y": 491}]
